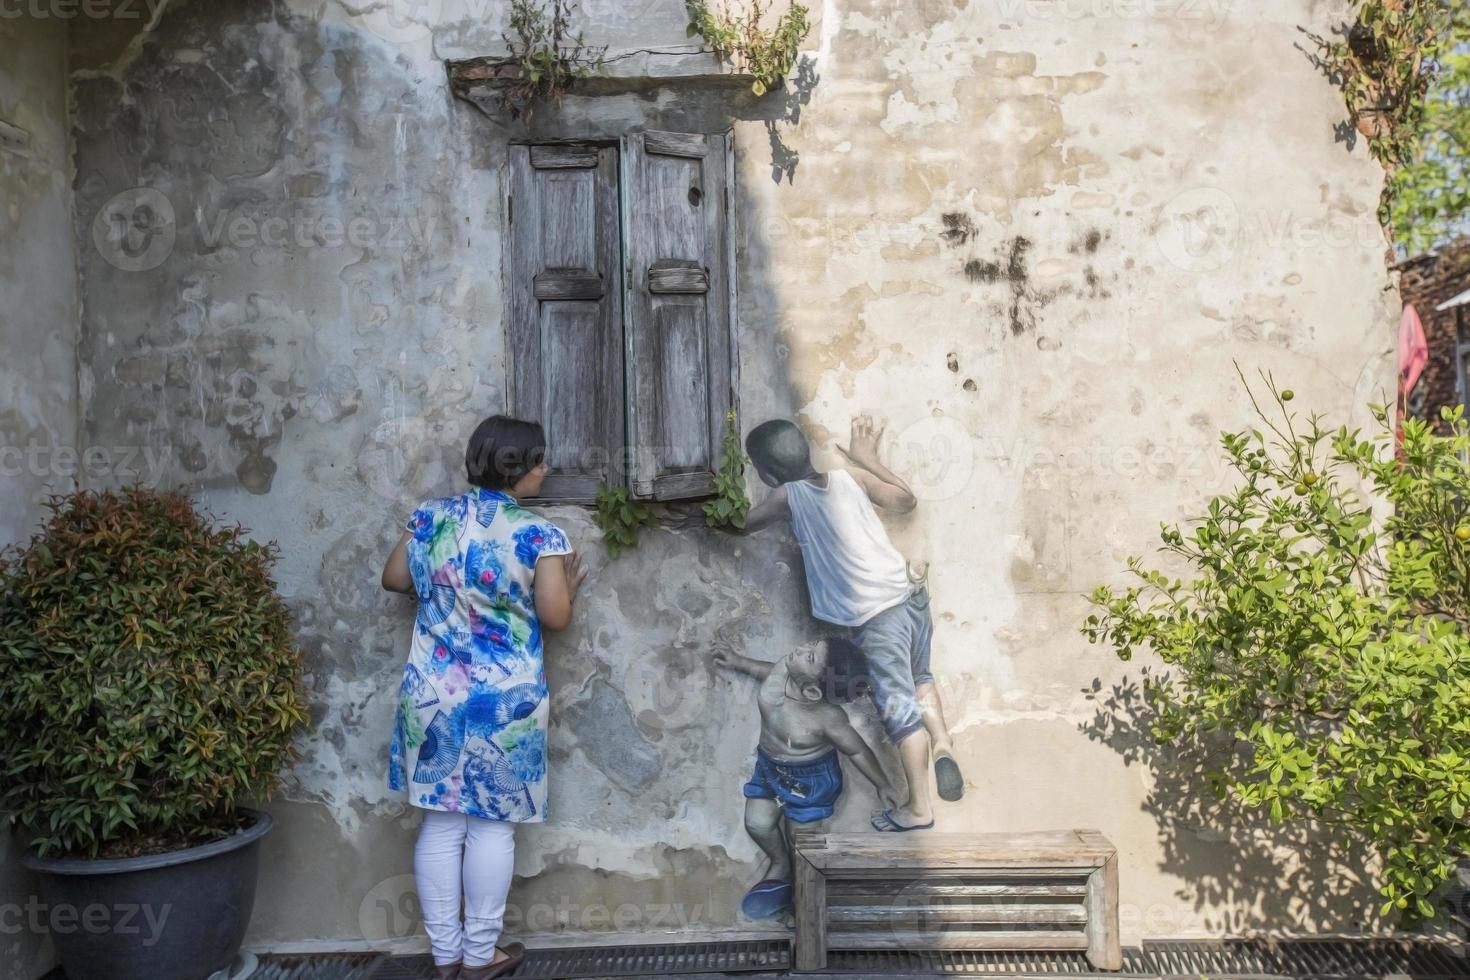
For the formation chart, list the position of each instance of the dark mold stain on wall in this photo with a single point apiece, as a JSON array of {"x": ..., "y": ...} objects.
[{"x": 1009, "y": 266}]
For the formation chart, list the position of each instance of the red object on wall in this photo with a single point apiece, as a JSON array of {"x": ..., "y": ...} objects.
[
  {"x": 1426, "y": 282},
  {"x": 1413, "y": 350}
]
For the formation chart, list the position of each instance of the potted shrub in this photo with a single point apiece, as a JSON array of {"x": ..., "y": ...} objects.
[{"x": 148, "y": 685}]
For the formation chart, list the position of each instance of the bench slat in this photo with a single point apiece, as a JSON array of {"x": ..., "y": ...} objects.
[
  {"x": 847, "y": 888},
  {"x": 853, "y": 916},
  {"x": 931, "y": 850},
  {"x": 919, "y": 941}
]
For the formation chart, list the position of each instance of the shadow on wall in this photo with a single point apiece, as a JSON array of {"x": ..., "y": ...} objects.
[{"x": 1291, "y": 877}]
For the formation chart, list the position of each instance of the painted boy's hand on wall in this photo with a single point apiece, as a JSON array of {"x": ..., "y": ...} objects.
[{"x": 862, "y": 447}]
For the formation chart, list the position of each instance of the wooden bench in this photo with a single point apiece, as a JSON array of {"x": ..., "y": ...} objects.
[{"x": 925, "y": 890}]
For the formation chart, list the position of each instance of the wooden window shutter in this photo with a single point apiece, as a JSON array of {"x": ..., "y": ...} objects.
[
  {"x": 681, "y": 361},
  {"x": 566, "y": 311}
]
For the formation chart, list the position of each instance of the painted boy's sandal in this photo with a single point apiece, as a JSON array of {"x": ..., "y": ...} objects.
[
  {"x": 947, "y": 776},
  {"x": 766, "y": 899},
  {"x": 884, "y": 821}
]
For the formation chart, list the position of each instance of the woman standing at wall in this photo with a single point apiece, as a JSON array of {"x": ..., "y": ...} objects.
[{"x": 469, "y": 744}]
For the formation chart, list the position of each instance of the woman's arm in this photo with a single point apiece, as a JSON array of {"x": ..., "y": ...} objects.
[
  {"x": 555, "y": 585},
  {"x": 396, "y": 576}
]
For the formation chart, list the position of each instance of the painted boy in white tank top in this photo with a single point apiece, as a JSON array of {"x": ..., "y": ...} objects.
[{"x": 858, "y": 580}]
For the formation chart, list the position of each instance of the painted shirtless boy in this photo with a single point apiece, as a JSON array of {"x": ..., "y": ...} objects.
[
  {"x": 797, "y": 770},
  {"x": 858, "y": 580}
]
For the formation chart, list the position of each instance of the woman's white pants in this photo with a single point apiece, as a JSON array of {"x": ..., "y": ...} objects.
[{"x": 461, "y": 859}]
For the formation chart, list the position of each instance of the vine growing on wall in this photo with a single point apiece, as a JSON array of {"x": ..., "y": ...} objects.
[
  {"x": 1385, "y": 63},
  {"x": 768, "y": 53},
  {"x": 622, "y": 517},
  {"x": 729, "y": 505},
  {"x": 549, "y": 57}
]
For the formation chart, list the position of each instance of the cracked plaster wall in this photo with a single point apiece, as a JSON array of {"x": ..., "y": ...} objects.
[
  {"x": 1031, "y": 235},
  {"x": 38, "y": 326}
]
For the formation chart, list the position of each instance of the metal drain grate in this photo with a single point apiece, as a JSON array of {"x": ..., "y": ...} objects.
[
  {"x": 995, "y": 964},
  {"x": 623, "y": 961},
  {"x": 1299, "y": 959},
  {"x": 339, "y": 966},
  {"x": 1306, "y": 959},
  {"x": 1317, "y": 958}
]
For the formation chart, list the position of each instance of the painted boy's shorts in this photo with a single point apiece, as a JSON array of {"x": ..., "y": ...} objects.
[
  {"x": 895, "y": 645},
  {"x": 807, "y": 791}
]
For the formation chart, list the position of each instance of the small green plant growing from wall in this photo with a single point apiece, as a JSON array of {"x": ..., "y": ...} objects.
[
  {"x": 729, "y": 505},
  {"x": 550, "y": 57},
  {"x": 766, "y": 53},
  {"x": 1318, "y": 656},
  {"x": 620, "y": 516},
  {"x": 1385, "y": 62}
]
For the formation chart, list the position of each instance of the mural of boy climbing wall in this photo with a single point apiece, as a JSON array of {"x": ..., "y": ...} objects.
[{"x": 859, "y": 583}]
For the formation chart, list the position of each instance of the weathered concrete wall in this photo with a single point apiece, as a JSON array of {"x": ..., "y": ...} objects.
[
  {"x": 38, "y": 330},
  {"x": 1031, "y": 235}
]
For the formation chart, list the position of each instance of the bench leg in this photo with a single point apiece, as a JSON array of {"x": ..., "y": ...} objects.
[
  {"x": 810, "y": 898},
  {"x": 1104, "y": 945}
]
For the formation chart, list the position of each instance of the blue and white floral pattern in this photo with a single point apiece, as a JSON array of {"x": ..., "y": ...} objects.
[{"x": 470, "y": 735}]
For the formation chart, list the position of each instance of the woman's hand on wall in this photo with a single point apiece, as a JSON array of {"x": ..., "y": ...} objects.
[
  {"x": 558, "y": 580},
  {"x": 396, "y": 576},
  {"x": 576, "y": 570}
]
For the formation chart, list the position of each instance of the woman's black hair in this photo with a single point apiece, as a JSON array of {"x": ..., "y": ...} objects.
[{"x": 502, "y": 450}]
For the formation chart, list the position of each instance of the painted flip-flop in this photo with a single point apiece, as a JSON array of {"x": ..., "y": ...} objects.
[
  {"x": 947, "y": 775},
  {"x": 766, "y": 899},
  {"x": 884, "y": 821}
]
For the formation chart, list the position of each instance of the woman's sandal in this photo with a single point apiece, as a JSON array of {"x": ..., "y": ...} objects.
[
  {"x": 515, "y": 954},
  {"x": 449, "y": 971}
]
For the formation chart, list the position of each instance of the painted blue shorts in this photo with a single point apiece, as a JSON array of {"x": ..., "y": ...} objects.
[
  {"x": 807, "y": 791},
  {"x": 895, "y": 645}
]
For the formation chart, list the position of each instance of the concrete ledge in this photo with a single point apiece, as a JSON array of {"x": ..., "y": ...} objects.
[{"x": 481, "y": 80}]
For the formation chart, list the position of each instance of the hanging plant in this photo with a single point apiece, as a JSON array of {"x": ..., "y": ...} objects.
[
  {"x": 1385, "y": 62},
  {"x": 769, "y": 54},
  {"x": 545, "y": 58}
]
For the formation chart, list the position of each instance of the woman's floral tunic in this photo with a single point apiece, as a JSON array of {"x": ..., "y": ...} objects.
[{"x": 471, "y": 730}]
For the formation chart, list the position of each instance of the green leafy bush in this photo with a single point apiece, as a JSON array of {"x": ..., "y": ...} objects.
[
  {"x": 148, "y": 678},
  {"x": 766, "y": 54},
  {"x": 620, "y": 517},
  {"x": 549, "y": 56},
  {"x": 1317, "y": 657},
  {"x": 1387, "y": 63}
]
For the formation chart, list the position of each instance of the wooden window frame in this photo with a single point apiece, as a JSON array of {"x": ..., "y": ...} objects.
[{"x": 633, "y": 454}]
